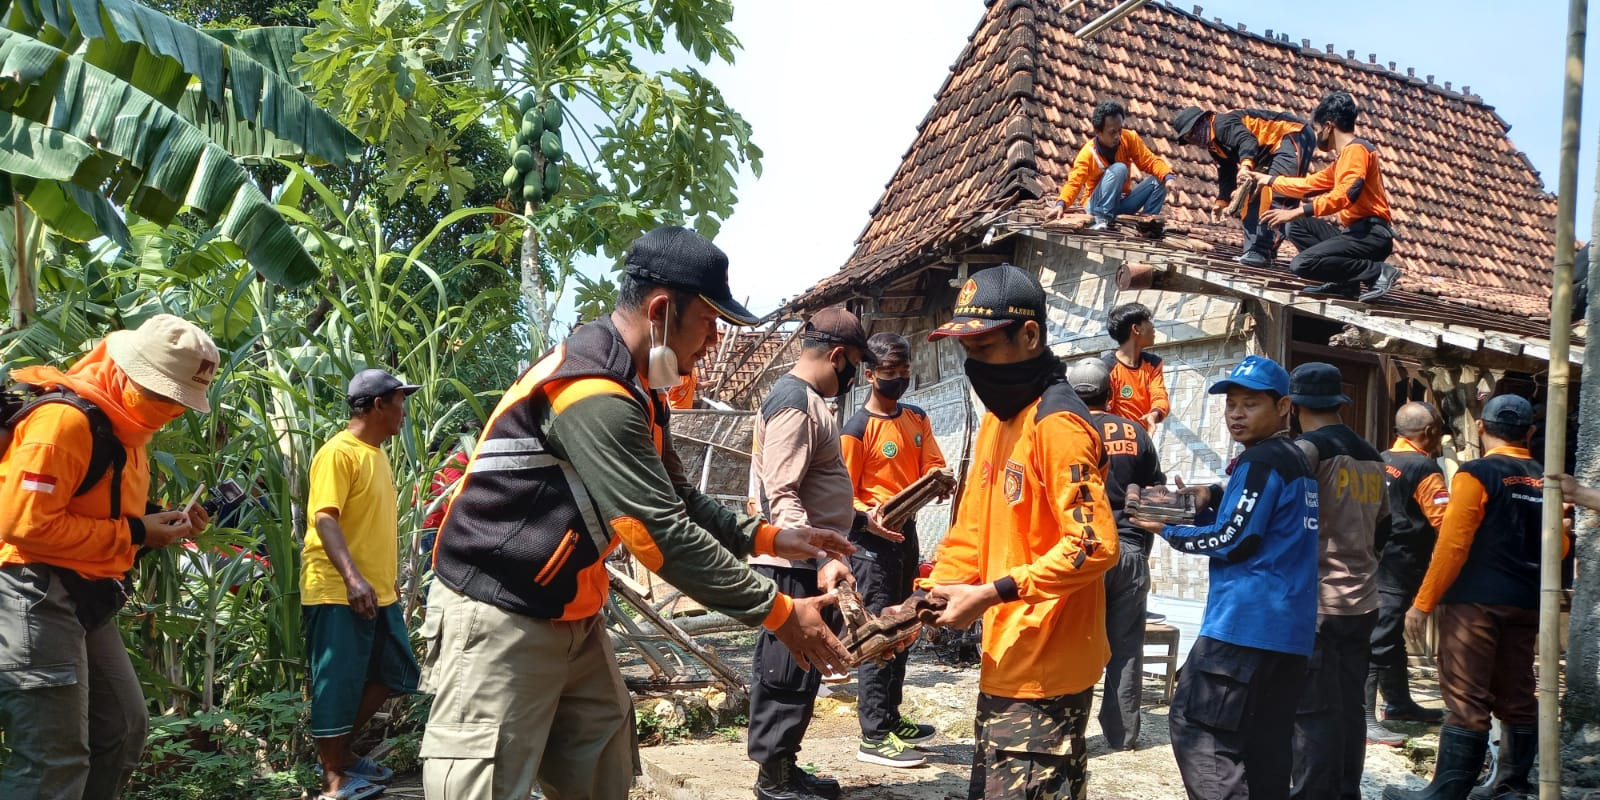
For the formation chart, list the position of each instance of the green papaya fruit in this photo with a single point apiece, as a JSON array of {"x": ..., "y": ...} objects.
[
  {"x": 522, "y": 159},
  {"x": 552, "y": 114},
  {"x": 552, "y": 179},
  {"x": 533, "y": 187},
  {"x": 526, "y": 103},
  {"x": 512, "y": 179},
  {"x": 550, "y": 144},
  {"x": 534, "y": 118}
]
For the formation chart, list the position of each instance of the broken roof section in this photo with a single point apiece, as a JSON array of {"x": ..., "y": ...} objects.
[{"x": 1475, "y": 224}]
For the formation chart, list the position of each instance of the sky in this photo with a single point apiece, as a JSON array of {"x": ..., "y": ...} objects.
[{"x": 834, "y": 90}]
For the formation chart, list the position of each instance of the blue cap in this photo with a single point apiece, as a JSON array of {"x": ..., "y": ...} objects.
[
  {"x": 1254, "y": 372},
  {"x": 1508, "y": 409}
]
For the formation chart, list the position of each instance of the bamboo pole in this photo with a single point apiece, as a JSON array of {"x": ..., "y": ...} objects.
[
  {"x": 1555, "y": 436},
  {"x": 1109, "y": 18}
]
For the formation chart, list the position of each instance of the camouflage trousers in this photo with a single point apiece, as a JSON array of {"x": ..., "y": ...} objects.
[{"x": 1032, "y": 749}]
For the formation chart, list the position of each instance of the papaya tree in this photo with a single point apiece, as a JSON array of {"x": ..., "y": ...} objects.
[
  {"x": 109, "y": 108},
  {"x": 611, "y": 145}
]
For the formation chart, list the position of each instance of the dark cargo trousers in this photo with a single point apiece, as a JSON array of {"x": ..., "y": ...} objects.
[
  {"x": 885, "y": 572},
  {"x": 1127, "y": 597},
  {"x": 1031, "y": 749},
  {"x": 70, "y": 704},
  {"x": 1330, "y": 726},
  {"x": 1486, "y": 664},
  {"x": 1232, "y": 720},
  {"x": 1332, "y": 255},
  {"x": 1292, "y": 157},
  {"x": 781, "y": 693}
]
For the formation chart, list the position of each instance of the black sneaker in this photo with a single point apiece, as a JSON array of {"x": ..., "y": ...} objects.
[
  {"x": 826, "y": 788},
  {"x": 1254, "y": 260},
  {"x": 1152, "y": 618},
  {"x": 889, "y": 752},
  {"x": 1349, "y": 291},
  {"x": 912, "y": 733}
]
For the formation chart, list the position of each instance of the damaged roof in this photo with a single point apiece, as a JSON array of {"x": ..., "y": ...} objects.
[{"x": 1475, "y": 225}]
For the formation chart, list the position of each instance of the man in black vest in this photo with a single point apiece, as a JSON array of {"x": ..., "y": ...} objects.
[
  {"x": 1134, "y": 462},
  {"x": 1417, "y": 500},
  {"x": 1483, "y": 582}
]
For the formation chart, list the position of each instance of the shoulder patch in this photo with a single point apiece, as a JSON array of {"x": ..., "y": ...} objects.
[
  {"x": 855, "y": 426},
  {"x": 788, "y": 392},
  {"x": 1109, "y": 358},
  {"x": 1368, "y": 145},
  {"x": 1150, "y": 358},
  {"x": 915, "y": 410},
  {"x": 1058, "y": 398}
]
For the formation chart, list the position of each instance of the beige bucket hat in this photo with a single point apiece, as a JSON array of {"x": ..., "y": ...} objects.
[{"x": 169, "y": 356}]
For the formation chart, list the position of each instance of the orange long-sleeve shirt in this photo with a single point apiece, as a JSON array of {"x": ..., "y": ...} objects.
[
  {"x": 1351, "y": 187},
  {"x": 1090, "y": 166},
  {"x": 1468, "y": 506},
  {"x": 886, "y": 454},
  {"x": 40, "y": 519},
  {"x": 1034, "y": 511}
]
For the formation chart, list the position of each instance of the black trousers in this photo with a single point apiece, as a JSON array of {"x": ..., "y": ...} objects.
[
  {"x": 1398, "y": 581},
  {"x": 1127, "y": 596},
  {"x": 1332, "y": 255},
  {"x": 1330, "y": 727},
  {"x": 884, "y": 573},
  {"x": 1232, "y": 720},
  {"x": 781, "y": 693},
  {"x": 1292, "y": 157}
]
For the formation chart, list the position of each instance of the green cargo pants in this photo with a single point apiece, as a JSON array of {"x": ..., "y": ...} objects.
[{"x": 70, "y": 704}]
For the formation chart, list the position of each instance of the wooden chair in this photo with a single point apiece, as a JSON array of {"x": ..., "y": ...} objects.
[{"x": 1159, "y": 635}]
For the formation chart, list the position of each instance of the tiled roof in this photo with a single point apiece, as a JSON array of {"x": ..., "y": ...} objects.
[
  {"x": 742, "y": 364},
  {"x": 1474, "y": 222}
]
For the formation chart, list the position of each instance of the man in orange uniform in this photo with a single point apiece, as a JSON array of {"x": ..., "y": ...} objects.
[
  {"x": 1029, "y": 547},
  {"x": 1483, "y": 583},
  {"x": 1102, "y": 175},
  {"x": 71, "y": 523},
  {"x": 1239, "y": 140},
  {"x": 1138, "y": 389},
  {"x": 1418, "y": 497},
  {"x": 887, "y": 445},
  {"x": 1351, "y": 254}
]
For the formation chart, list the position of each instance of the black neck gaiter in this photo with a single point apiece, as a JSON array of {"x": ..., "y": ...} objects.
[{"x": 1006, "y": 389}]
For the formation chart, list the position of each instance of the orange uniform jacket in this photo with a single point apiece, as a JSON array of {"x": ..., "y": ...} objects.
[
  {"x": 1136, "y": 392},
  {"x": 1088, "y": 167},
  {"x": 1034, "y": 512},
  {"x": 1351, "y": 187},
  {"x": 1432, "y": 495},
  {"x": 40, "y": 520},
  {"x": 887, "y": 454}
]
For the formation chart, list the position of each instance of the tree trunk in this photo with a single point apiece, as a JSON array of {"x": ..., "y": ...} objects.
[
  {"x": 24, "y": 294},
  {"x": 1580, "y": 738},
  {"x": 533, "y": 289}
]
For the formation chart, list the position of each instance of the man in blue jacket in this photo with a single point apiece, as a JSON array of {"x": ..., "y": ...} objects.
[{"x": 1232, "y": 716}]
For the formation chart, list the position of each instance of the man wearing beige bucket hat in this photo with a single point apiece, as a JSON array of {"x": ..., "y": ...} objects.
[{"x": 74, "y": 479}]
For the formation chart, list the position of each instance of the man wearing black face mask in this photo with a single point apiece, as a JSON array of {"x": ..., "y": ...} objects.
[
  {"x": 888, "y": 445},
  {"x": 1029, "y": 547},
  {"x": 803, "y": 477}
]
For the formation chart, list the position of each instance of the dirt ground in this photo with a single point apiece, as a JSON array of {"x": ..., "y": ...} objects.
[{"x": 944, "y": 695}]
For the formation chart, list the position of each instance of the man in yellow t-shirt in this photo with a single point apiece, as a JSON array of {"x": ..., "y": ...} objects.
[{"x": 356, "y": 639}]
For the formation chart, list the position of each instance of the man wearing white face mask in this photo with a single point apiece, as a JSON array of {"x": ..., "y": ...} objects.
[{"x": 577, "y": 459}]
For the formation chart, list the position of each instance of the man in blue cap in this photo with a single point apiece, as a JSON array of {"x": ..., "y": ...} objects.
[
  {"x": 1232, "y": 716},
  {"x": 1483, "y": 584}
]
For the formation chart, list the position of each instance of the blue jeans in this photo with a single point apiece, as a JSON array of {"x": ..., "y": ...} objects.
[{"x": 1109, "y": 201}]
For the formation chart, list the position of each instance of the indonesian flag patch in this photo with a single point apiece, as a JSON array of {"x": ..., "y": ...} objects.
[
  {"x": 1441, "y": 498},
  {"x": 37, "y": 482}
]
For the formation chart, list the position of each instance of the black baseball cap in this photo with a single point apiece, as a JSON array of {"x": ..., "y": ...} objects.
[
  {"x": 376, "y": 383},
  {"x": 1508, "y": 409},
  {"x": 994, "y": 298},
  {"x": 836, "y": 325},
  {"x": 1317, "y": 385},
  {"x": 1184, "y": 121},
  {"x": 678, "y": 258}
]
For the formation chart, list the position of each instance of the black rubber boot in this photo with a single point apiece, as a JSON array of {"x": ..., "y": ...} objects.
[
  {"x": 1519, "y": 747},
  {"x": 777, "y": 781},
  {"x": 1460, "y": 760},
  {"x": 815, "y": 784},
  {"x": 1398, "y": 706},
  {"x": 1376, "y": 733}
]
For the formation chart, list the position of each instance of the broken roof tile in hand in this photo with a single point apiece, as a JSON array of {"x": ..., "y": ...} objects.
[{"x": 1474, "y": 222}]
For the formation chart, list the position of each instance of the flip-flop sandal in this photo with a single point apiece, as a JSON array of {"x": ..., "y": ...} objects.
[
  {"x": 353, "y": 789},
  {"x": 370, "y": 770}
]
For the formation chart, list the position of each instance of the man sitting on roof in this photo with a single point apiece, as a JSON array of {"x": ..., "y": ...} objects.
[
  {"x": 1106, "y": 163},
  {"x": 1241, "y": 140},
  {"x": 1350, "y": 254}
]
